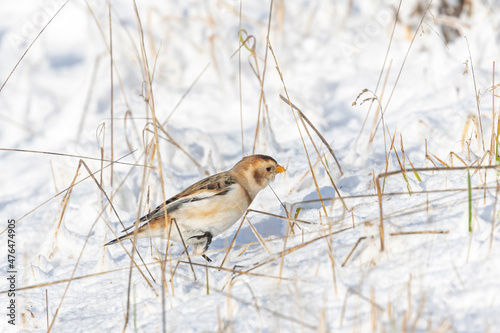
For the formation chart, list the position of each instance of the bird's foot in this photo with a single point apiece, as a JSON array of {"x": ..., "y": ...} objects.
[{"x": 206, "y": 258}]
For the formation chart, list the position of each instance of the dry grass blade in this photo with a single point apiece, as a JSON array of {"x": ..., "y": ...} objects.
[
  {"x": 239, "y": 272},
  {"x": 387, "y": 153},
  {"x": 401, "y": 164},
  {"x": 234, "y": 239},
  {"x": 261, "y": 241},
  {"x": 84, "y": 245},
  {"x": 163, "y": 267},
  {"x": 122, "y": 88},
  {"x": 459, "y": 158},
  {"x": 439, "y": 160},
  {"x": 453, "y": 201},
  {"x": 61, "y": 192},
  {"x": 36, "y": 286},
  {"x": 274, "y": 313},
  {"x": 360, "y": 295},
  {"x": 324, "y": 167},
  {"x": 31, "y": 44},
  {"x": 282, "y": 261},
  {"x": 470, "y": 200},
  {"x": 406, "y": 57},
  {"x": 388, "y": 174},
  {"x": 74, "y": 278},
  {"x": 493, "y": 215},
  {"x": 476, "y": 96},
  {"x": 185, "y": 247},
  {"x": 99, "y": 184},
  {"x": 352, "y": 251},
  {"x": 129, "y": 255},
  {"x": 385, "y": 194},
  {"x": 69, "y": 281},
  {"x": 301, "y": 179},
  {"x": 381, "y": 215},
  {"x": 72, "y": 155},
  {"x": 297, "y": 247},
  {"x": 149, "y": 99},
  {"x": 188, "y": 90},
  {"x": 403, "y": 233},
  {"x": 282, "y": 217},
  {"x": 413, "y": 169},
  {"x": 116, "y": 213},
  {"x": 128, "y": 115},
  {"x": 421, "y": 306},
  {"x": 493, "y": 136},
  {"x": 297, "y": 123},
  {"x": 47, "y": 306},
  {"x": 344, "y": 306},
  {"x": 427, "y": 157},
  {"x": 65, "y": 200},
  {"x": 379, "y": 104},
  {"x": 16, "y": 123},
  {"x": 173, "y": 142},
  {"x": 86, "y": 106},
  {"x": 303, "y": 116},
  {"x": 383, "y": 65},
  {"x": 373, "y": 314},
  {"x": 262, "y": 98},
  {"x": 239, "y": 85},
  {"x": 112, "y": 98}
]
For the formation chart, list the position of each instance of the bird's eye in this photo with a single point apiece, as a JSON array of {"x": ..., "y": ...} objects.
[{"x": 268, "y": 169}]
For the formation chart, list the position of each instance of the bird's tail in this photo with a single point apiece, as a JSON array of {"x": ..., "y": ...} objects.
[{"x": 114, "y": 241}]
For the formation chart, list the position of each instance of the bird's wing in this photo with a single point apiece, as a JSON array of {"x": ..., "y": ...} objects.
[{"x": 218, "y": 184}]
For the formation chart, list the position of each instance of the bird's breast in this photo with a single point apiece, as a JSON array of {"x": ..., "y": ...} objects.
[{"x": 216, "y": 213}]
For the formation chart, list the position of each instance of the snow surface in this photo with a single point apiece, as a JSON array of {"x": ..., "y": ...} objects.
[{"x": 58, "y": 100}]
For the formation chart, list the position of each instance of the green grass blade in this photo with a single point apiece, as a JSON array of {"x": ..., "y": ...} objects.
[
  {"x": 297, "y": 211},
  {"x": 407, "y": 183},
  {"x": 417, "y": 176},
  {"x": 497, "y": 157}
]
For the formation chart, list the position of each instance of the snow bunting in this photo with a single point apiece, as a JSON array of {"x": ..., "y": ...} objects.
[{"x": 209, "y": 207}]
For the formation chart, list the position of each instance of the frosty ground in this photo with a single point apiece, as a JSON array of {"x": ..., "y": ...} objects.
[{"x": 322, "y": 270}]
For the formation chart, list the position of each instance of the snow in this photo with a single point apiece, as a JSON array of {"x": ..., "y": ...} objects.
[{"x": 58, "y": 100}]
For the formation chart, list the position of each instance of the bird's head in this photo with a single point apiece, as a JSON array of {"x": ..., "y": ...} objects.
[{"x": 256, "y": 172}]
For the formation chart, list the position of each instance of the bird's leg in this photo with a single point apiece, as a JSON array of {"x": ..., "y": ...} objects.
[
  {"x": 203, "y": 246},
  {"x": 209, "y": 237}
]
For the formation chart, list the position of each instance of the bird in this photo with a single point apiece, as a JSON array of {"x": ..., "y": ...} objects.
[{"x": 209, "y": 207}]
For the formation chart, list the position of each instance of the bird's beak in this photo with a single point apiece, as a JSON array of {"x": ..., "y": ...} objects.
[{"x": 280, "y": 169}]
